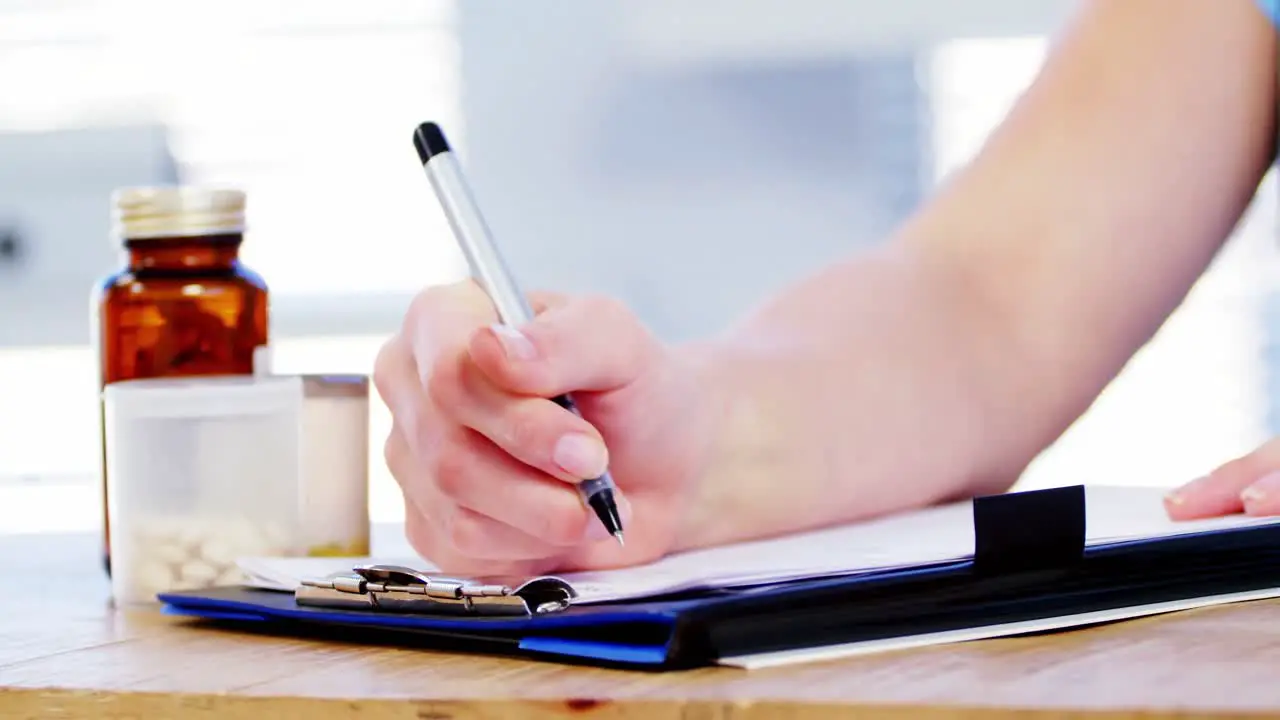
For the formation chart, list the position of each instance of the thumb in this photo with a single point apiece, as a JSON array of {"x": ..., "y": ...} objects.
[{"x": 580, "y": 345}]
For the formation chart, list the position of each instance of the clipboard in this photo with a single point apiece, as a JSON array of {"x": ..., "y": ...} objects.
[{"x": 1031, "y": 569}]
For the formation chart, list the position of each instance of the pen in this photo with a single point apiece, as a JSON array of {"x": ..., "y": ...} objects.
[{"x": 490, "y": 270}]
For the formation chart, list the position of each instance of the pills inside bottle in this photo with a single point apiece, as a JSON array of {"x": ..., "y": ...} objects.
[
  {"x": 202, "y": 472},
  {"x": 194, "y": 552}
]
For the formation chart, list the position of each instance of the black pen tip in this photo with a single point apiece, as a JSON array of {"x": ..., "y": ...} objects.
[
  {"x": 429, "y": 141},
  {"x": 607, "y": 511}
]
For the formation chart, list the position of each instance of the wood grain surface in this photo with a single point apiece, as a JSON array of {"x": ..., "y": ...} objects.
[{"x": 66, "y": 653}]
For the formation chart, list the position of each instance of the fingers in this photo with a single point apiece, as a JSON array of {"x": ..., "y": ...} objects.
[
  {"x": 436, "y": 325},
  {"x": 441, "y": 319},
  {"x": 1263, "y": 497},
  {"x": 428, "y": 540},
  {"x": 395, "y": 377},
  {"x": 592, "y": 344},
  {"x": 485, "y": 467},
  {"x": 470, "y": 504},
  {"x": 472, "y": 474},
  {"x": 535, "y": 431},
  {"x": 444, "y": 316},
  {"x": 1249, "y": 484},
  {"x": 1210, "y": 496}
]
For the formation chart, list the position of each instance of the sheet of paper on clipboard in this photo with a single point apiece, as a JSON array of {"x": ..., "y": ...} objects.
[{"x": 934, "y": 535}]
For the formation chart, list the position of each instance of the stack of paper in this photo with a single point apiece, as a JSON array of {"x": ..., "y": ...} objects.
[{"x": 929, "y": 536}]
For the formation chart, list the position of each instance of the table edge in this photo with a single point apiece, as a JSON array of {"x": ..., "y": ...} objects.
[{"x": 34, "y": 702}]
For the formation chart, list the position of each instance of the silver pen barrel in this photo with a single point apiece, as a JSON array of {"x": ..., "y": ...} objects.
[
  {"x": 476, "y": 241},
  {"x": 490, "y": 269}
]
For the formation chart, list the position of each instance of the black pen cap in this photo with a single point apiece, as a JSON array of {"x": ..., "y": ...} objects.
[{"x": 429, "y": 140}]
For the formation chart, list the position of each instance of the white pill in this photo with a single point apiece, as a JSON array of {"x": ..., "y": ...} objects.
[
  {"x": 199, "y": 573},
  {"x": 167, "y": 551},
  {"x": 192, "y": 533},
  {"x": 231, "y": 576},
  {"x": 153, "y": 577},
  {"x": 218, "y": 550},
  {"x": 189, "y": 553}
]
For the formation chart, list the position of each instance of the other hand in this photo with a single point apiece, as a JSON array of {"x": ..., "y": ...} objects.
[
  {"x": 1248, "y": 484},
  {"x": 487, "y": 463}
]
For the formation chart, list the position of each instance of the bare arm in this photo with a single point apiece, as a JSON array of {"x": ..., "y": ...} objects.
[{"x": 943, "y": 363}]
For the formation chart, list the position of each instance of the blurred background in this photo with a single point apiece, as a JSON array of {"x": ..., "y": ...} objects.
[{"x": 635, "y": 147}]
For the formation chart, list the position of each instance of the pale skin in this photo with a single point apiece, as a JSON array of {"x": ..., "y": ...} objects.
[{"x": 935, "y": 367}]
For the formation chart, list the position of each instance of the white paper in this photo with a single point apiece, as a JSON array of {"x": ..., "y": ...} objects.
[
  {"x": 284, "y": 573},
  {"x": 834, "y": 652},
  {"x": 927, "y": 536}
]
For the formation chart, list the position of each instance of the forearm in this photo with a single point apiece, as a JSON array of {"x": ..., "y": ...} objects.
[
  {"x": 943, "y": 363},
  {"x": 867, "y": 389},
  {"x": 1112, "y": 184}
]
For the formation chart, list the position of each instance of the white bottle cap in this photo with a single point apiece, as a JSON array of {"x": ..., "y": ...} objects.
[{"x": 177, "y": 211}]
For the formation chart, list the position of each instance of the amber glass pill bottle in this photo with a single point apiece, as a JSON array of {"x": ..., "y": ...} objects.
[{"x": 183, "y": 304}]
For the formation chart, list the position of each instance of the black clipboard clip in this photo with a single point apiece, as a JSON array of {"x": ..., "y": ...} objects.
[{"x": 1030, "y": 530}]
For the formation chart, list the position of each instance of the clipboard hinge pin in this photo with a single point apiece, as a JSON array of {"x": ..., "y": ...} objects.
[{"x": 400, "y": 589}]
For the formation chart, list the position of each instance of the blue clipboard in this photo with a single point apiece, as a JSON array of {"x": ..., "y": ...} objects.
[{"x": 1030, "y": 563}]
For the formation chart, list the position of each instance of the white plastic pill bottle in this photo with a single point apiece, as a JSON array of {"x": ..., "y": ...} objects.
[
  {"x": 202, "y": 471},
  {"x": 334, "y": 483}
]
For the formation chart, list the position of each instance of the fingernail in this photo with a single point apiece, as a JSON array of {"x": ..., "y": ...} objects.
[
  {"x": 514, "y": 343},
  {"x": 1264, "y": 488},
  {"x": 580, "y": 455}
]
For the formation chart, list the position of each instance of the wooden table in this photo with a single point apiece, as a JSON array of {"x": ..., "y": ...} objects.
[{"x": 64, "y": 653}]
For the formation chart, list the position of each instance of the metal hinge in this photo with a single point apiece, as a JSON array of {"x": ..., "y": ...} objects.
[{"x": 400, "y": 589}]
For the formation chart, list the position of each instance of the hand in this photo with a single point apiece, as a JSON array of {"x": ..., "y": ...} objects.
[
  {"x": 487, "y": 464},
  {"x": 1249, "y": 484}
]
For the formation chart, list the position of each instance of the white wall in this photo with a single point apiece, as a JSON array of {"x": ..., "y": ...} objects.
[
  {"x": 681, "y": 31},
  {"x": 673, "y": 139},
  {"x": 55, "y": 198},
  {"x": 688, "y": 189}
]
